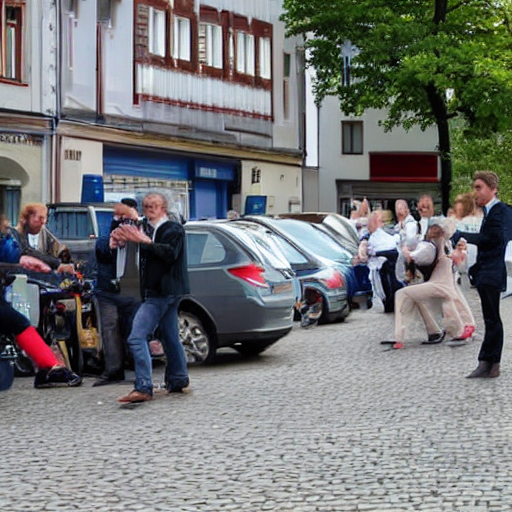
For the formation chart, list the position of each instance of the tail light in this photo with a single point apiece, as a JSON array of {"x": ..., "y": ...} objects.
[
  {"x": 334, "y": 280},
  {"x": 252, "y": 273}
]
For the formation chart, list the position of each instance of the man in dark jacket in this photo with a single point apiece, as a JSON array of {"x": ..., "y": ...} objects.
[
  {"x": 489, "y": 273},
  {"x": 164, "y": 280},
  {"x": 117, "y": 305}
]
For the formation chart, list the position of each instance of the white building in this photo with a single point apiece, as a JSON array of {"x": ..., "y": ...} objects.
[
  {"x": 201, "y": 97},
  {"x": 352, "y": 158},
  {"x": 28, "y": 101}
]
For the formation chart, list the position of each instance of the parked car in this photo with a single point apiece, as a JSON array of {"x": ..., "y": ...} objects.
[
  {"x": 242, "y": 295},
  {"x": 78, "y": 225},
  {"x": 340, "y": 230},
  {"x": 334, "y": 223},
  {"x": 318, "y": 276}
]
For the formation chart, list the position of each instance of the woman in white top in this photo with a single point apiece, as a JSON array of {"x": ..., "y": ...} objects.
[{"x": 406, "y": 235}]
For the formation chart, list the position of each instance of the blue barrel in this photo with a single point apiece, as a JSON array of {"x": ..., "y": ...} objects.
[{"x": 92, "y": 188}]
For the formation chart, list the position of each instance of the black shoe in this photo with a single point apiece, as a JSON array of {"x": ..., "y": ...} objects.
[
  {"x": 434, "y": 338},
  {"x": 176, "y": 388},
  {"x": 106, "y": 379},
  {"x": 58, "y": 376}
]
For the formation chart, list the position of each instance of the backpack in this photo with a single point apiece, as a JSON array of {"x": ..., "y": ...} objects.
[{"x": 426, "y": 270}]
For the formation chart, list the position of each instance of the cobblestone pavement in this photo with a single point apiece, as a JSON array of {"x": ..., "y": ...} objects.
[{"x": 324, "y": 421}]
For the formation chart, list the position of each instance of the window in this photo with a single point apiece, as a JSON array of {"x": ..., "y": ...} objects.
[
  {"x": 286, "y": 85},
  {"x": 245, "y": 53},
  {"x": 204, "y": 249},
  {"x": 156, "y": 32},
  {"x": 181, "y": 39},
  {"x": 210, "y": 45},
  {"x": 11, "y": 42},
  {"x": 265, "y": 58},
  {"x": 352, "y": 137}
]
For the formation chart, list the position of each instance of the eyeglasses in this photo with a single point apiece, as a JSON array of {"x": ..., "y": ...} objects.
[{"x": 148, "y": 206}]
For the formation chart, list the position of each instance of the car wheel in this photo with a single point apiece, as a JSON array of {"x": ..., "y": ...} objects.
[
  {"x": 197, "y": 342},
  {"x": 253, "y": 349}
]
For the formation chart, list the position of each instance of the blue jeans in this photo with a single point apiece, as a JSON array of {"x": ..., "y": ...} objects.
[{"x": 159, "y": 312}]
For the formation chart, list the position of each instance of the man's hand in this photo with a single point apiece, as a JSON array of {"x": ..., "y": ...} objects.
[
  {"x": 407, "y": 253},
  {"x": 66, "y": 268},
  {"x": 31, "y": 263},
  {"x": 128, "y": 233}
]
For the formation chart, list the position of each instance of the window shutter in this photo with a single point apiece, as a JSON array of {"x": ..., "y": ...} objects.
[
  {"x": 202, "y": 43},
  {"x": 141, "y": 31}
]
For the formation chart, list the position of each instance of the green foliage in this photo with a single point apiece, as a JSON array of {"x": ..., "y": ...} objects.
[
  {"x": 411, "y": 52},
  {"x": 490, "y": 153}
]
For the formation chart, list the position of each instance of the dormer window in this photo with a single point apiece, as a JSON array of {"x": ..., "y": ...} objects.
[
  {"x": 11, "y": 42},
  {"x": 245, "y": 53},
  {"x": 265, "y": 58},
  {"x": 156, "y": 32},
  {"x": 210, "y": 45},
  {"x": 181, "y": 38}
]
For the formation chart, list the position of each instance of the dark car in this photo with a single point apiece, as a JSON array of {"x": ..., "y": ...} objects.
[{"x": 242, "y": 295}]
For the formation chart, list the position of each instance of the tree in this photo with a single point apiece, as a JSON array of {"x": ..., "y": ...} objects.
[
  {"x": 492, "y": 152},
  {"x": 425, "y": 61}
]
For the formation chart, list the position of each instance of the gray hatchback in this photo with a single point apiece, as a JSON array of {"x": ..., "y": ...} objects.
[{"x": 242, "y": 293}]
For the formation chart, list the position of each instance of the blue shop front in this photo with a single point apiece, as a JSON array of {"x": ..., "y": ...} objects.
[{"x": 200, "y": 187}]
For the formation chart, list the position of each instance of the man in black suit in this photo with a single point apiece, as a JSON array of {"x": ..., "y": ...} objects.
[{"x": 489, "y": 272}]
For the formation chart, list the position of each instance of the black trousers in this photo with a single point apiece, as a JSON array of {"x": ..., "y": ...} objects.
[
  {"x": 492, "y": 345},
  {"x": 116, "y": 317},
  {"x": 11, "y": 322},
  {"x": 390, "y": 283}
]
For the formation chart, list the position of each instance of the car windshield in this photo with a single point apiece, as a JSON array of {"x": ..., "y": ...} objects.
[
  {"x": 262, "y": 243},
  {"x": 314, "y": 240},
  {"x": 70, "y": 224}
]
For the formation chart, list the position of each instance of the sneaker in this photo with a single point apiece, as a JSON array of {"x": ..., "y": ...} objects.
[
  {"x": 437, "y": 337},
  {"x": 58, "y": 376}
]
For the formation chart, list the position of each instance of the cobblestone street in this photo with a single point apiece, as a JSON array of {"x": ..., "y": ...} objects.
[{"x": 326, "y": 420}]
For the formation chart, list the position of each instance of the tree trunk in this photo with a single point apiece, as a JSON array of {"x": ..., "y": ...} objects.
[
  {"x": 438, "y": 104},
  {"x": 443, "y": 131}
]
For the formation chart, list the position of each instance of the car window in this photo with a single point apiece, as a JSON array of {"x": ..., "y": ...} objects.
[
  {"x": 204, "y": 248},
  {"x": 262, "y": 243},
  {"x": 314, "y": 240},
  {"x": 70, "y": 225}
]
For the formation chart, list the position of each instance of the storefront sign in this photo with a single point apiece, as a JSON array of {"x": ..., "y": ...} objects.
[{"x": 21, "y": 139}]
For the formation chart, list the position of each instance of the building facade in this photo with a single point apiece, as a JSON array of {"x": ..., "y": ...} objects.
[
  {"x": 199, "y": 98},
  {"x": 28, "y": 102}
]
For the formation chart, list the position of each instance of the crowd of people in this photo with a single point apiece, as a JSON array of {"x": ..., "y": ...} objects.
[
  {"x": 422, "y": 266},
  {"x": 141, "y": 275}
]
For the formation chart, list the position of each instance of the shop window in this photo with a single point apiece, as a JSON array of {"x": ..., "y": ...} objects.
[
  {"x": 11, "y": 50},
  {"x": 352, "y": 137},
  {"x": 245, "y": 53},
  {"x": 265, "y": 60},
  {"x": 156, "y": 32},
  {"x": 286, "y": 85},
  {"x": 210, "y": 45},
  {"x": 181, "y": 38}
]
